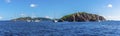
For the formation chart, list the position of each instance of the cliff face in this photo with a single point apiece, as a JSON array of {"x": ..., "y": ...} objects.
[{"x": 81, "y": 17}]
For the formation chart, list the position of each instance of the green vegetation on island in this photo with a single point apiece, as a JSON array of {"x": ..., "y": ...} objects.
[{"x": 81, "y": 17}]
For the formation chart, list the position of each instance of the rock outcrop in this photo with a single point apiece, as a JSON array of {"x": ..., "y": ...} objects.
[{"x": 82, "y": 17}]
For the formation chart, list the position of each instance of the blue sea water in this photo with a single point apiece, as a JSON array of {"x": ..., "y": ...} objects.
[{"x": 106, "y": 28}]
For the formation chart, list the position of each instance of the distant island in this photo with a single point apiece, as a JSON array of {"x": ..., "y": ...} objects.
[
  {"x": 30, "y": 18},
  {"x": 75, "y": 17},
  {"x": 81, "y": 17}
]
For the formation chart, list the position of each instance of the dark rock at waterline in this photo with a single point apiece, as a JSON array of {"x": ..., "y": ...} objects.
[
  {"x": 82, "y": 17},
  {"x": 60, "y": 20}
]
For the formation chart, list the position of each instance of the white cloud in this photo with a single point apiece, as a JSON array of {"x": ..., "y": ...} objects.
[
  {"x": 8, "y": 1},
  {"x": 33, "y": 5},
  {"x": 109, "y": 5},
  {"x": 1, "y": 17}
]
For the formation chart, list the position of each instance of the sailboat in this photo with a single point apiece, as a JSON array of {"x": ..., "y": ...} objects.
[
  {"x": 23, "y": 15},
  {"x": 98, "y": 19},
  {"x": 55, "y": 19},
  {"x": 36, "y": 20},
  {"x": 15, "y": 19},
  {"x": 28, "y": 20}
]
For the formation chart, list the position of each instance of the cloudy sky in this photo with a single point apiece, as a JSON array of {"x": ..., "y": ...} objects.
[{"x": 10, "y": 9}]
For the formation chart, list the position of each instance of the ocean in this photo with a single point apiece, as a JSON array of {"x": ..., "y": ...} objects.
[{"x": 45, "y": 28}]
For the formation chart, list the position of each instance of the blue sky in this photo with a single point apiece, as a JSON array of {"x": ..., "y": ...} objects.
[{"x": 10, "y": 9}]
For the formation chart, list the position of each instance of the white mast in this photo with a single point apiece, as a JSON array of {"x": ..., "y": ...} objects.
[
  {"x": 55, "y": 18},
  {"x": 15, "y": 17},
  {"x": 98, "y": 19}
]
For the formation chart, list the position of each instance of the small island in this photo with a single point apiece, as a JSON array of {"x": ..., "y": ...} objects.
[
  {"x": 31, "y": 19},
  {"x": 82, "y": 17}
]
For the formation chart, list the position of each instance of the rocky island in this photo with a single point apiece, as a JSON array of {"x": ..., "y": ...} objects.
[{"x": 82, "y": 17}]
